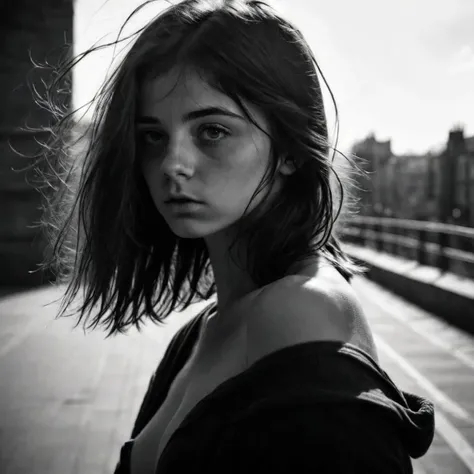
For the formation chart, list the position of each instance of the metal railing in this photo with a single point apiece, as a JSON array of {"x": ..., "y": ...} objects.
[{"x": 446, "y": 246}]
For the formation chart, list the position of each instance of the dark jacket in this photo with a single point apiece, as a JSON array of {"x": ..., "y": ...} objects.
[{"x": 316, "y": 407}]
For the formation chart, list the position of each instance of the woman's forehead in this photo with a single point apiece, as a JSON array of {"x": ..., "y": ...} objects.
[
  {"x": 178, "y": 89},
  {"x": 174, "y": 95}
]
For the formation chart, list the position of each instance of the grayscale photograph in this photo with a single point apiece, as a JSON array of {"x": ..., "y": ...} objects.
[{"x": 237, "y": 237}]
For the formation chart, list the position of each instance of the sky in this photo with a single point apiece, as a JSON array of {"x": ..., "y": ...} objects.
[{"x": 401, "y": 69}]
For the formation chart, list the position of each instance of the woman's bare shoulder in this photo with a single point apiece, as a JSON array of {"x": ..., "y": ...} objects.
[{"x": 301, "y": 308}]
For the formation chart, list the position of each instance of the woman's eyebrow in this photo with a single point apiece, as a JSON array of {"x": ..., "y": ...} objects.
[
  {"x": 206, "y": 111},
  {"x": 193, "y": 115}
]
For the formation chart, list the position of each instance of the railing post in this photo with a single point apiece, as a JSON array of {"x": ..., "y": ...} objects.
[
  {"x": 361, "y": 236},
  {"x": 365, "y": 233},
  {"x": 378, "y": 236},
  {"x": 388, "y": 244},
  {"x": 421, "y": 254},
  {"x": 373, "y": 230},
  {"x": 443, "y": 261},
  {"x": 396, "y": 244}
]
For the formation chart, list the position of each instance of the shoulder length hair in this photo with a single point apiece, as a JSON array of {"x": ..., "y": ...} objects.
[{"x": 107, "y": 236}]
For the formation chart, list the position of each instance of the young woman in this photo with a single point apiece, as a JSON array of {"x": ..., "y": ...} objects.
[{"x": 208, "y": 174}]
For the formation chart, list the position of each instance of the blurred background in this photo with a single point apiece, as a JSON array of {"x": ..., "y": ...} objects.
[{"x": 402, "y": 75}]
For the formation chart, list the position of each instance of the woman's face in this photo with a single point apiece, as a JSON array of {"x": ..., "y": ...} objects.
[{"x": 195, "y": 141}]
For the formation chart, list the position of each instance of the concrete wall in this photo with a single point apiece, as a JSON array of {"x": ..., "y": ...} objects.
[{"x": 449, "y": 296}]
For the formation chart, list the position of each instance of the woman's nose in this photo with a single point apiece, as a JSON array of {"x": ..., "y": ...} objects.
[{"x": 179, "y": 158}]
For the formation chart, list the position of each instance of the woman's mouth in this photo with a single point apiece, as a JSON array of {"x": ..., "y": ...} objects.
[{"x": 183, "y": 205}]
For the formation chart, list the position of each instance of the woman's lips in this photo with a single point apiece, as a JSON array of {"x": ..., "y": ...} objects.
[{"x": 183, "y": 205}]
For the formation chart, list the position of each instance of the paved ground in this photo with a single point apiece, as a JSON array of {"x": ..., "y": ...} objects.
[
  {"x": 426, "y": 356},
  {"x": 68, "y": 399}
]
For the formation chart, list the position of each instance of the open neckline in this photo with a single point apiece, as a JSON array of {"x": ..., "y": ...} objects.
[{"x": 346, "y": 348}]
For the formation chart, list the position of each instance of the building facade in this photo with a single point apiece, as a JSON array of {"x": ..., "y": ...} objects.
[
  {"x": 462, "y": 211},
  {"x": 433, "y": 186},
  {"x": 373, "y": 156},
  {"x": 31, "y": 31}
]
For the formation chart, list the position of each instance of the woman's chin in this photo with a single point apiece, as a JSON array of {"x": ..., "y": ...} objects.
[
  {"x": 187, "y": 231},
  {"x": 189, "y": 235},
  {"x": 197, "y": 228}
]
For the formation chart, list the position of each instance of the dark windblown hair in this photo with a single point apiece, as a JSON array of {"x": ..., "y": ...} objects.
[{"x": 106, "y": 234}]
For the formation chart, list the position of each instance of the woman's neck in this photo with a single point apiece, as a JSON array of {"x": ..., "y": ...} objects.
[{"x": 232, "y": 280}]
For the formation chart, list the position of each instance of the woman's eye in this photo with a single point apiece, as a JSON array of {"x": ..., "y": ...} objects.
[
  {"x": 151, "y": 137},
  {"x": 213, "y": 133}
]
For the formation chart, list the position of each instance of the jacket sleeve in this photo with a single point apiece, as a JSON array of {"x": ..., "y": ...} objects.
[{"x": 317, "y": 439}]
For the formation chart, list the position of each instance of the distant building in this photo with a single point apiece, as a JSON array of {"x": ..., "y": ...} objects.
[
  {"x": 469, "y": 142},
  {"x": 410, "y": 183},
  {"x": 460, "y": 157},
  {"x": 373, "y": 156},
  {"x": 434, "y": 186}
]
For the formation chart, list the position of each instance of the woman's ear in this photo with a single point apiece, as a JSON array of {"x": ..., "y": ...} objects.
[{"x": 287, "y": 166}]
